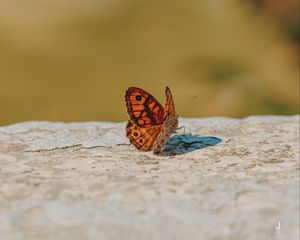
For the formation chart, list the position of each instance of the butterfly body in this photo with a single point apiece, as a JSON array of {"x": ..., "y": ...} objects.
[{"x": 150, "y": 125}]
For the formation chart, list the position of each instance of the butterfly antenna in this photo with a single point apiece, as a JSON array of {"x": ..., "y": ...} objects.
[{"x": 123, "y": 144}]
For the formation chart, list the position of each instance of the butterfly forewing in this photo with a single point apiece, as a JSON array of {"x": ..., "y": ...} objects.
[
  {"x": 169, "y": 108},
  {"x": 143, "y": 109}
]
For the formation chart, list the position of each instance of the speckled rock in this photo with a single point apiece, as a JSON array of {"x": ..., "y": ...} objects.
[{"x": 218, "y": 178}]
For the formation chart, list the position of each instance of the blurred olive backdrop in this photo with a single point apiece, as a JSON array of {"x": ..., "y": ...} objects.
[{"x": 65, "y": 60}]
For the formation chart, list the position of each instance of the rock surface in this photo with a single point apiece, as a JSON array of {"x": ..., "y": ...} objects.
[{"x": 221, "y": 179}]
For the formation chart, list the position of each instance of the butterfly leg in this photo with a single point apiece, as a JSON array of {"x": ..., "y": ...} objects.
[{"x": 180, "y": 128}]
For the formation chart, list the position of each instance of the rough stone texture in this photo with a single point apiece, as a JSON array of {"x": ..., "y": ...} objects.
[{"x": 230, "y": 179}]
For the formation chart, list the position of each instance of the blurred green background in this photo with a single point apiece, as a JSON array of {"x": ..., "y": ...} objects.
[{"x": 73, "y": 60}]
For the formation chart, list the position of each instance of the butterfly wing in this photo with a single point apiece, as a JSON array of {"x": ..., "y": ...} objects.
[
  {"x": 143, "y": 109},
  {"x": 170, "y": 107},
  {"x": 170, "y": 123},
  {"x": 142, "y": 138}
]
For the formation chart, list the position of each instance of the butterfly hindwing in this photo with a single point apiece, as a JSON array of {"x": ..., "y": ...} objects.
[
  {"x": 143, "y": 109},
  {"x": 142, "y": 138}
]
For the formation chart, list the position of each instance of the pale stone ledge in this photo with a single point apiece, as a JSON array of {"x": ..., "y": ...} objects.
[{"x": 220, "y": 179}]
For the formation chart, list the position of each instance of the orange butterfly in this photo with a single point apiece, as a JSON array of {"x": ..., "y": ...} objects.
[{"x": 150, "y": 125}]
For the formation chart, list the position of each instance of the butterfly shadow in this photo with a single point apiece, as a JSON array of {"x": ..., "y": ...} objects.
[{"x": 184, "y": 143}]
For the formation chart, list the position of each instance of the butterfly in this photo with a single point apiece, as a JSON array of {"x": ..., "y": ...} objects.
[{"x": 150, "y": 125}]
